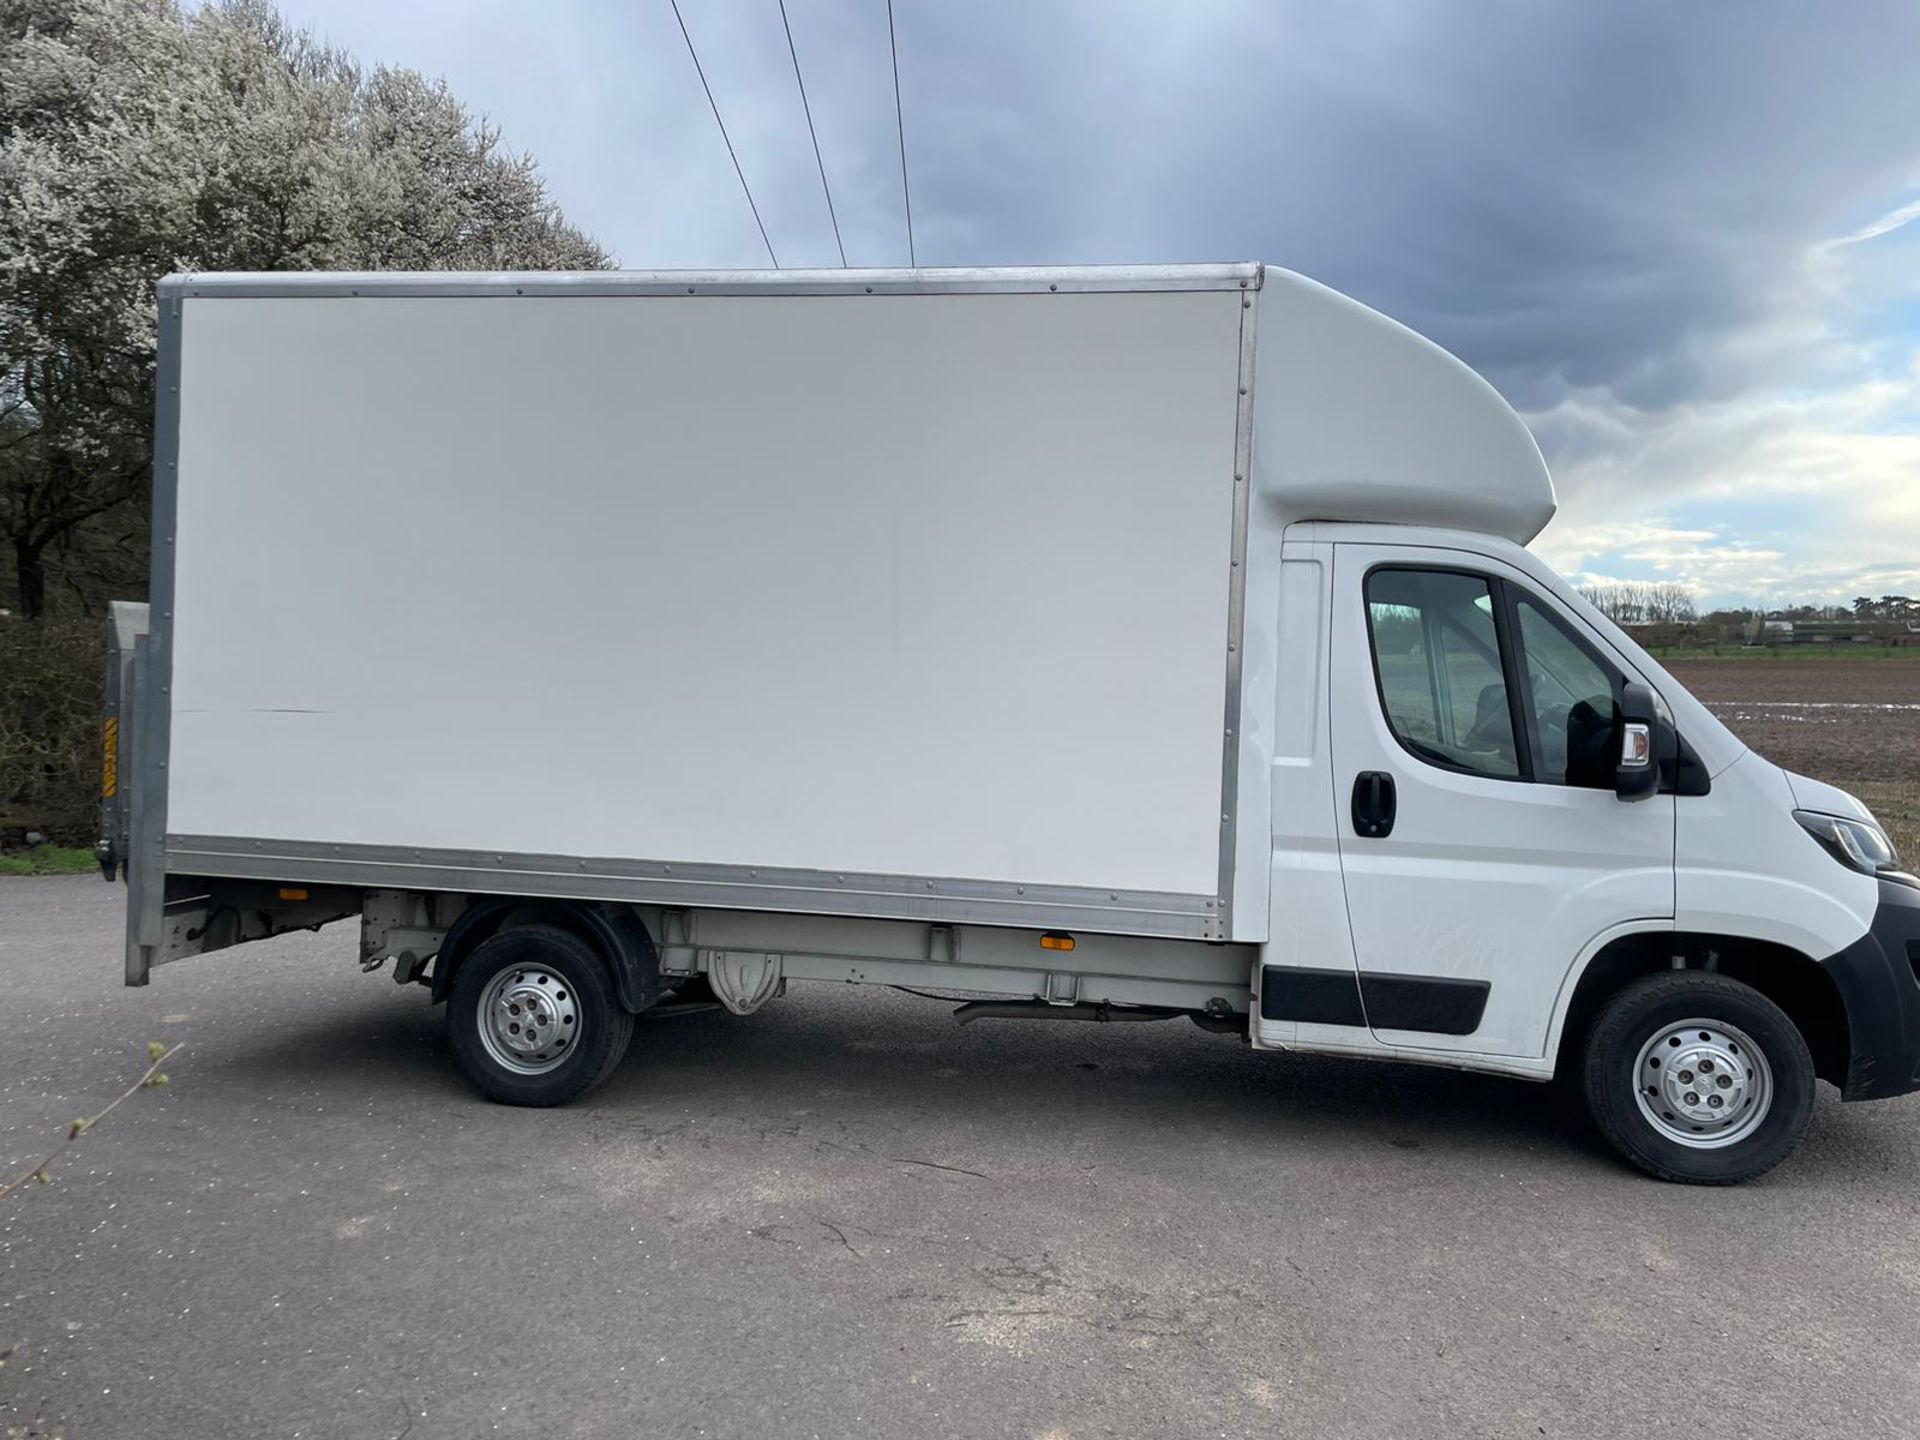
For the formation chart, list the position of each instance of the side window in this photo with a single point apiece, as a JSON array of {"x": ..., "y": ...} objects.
[
  {"x": 1574, "y": 703},
  {"x": 1436, "y": 653}
]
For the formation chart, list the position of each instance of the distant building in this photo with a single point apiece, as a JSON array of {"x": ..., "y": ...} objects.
[{"x": 1838, "y": 632}]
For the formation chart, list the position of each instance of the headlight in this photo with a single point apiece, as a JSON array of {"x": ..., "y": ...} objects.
[{"x": 1854, "y": 843}]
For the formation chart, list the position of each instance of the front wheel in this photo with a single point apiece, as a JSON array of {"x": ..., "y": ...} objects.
[
  {"x": 1698, "y": 1078},
  {"x": 533, "y": 1017}
]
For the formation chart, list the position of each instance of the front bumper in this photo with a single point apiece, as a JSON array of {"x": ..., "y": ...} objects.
[{"x": 1878, "y": 977}]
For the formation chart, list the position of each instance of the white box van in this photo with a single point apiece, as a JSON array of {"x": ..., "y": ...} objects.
[{"x": 1115, "y": 644}]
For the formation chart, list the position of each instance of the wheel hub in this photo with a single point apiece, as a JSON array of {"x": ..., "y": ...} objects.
[
  {"x": 1703, "y": 1083},
  {"x": 528, "y": 1019}
]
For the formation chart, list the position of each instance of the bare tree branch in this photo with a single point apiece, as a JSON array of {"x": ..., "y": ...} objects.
[{"x": 153, "y": 1076}]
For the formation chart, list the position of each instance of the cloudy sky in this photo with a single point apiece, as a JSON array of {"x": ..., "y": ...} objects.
[{"x": 1682, "y": 236}]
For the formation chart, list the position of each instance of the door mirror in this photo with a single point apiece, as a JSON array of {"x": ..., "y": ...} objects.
[{"x": 1641, "y": 736}]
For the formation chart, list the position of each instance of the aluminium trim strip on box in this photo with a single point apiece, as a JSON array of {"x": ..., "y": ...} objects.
[
  {"x": 735, "y": 887},
  {"x": 153, "y": 713},
  {"x": 974, "y": 280},
  {"x": 1236, "y": 612}
]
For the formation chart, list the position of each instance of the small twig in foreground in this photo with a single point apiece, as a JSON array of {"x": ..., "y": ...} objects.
[{"x": 158, "y": 1054}]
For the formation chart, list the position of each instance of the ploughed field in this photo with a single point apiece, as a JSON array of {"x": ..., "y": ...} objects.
[{"x": 1853, "y": 723}]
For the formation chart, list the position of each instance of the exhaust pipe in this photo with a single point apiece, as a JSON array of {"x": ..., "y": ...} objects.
[{"x": 1040, "y": 1010}]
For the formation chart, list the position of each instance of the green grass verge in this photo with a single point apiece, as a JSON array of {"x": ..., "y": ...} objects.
[{"x": 49, "y": 860}]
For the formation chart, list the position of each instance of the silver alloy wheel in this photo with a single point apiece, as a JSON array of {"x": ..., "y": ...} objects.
[
  {"x": 1703, "y": 1083},
  {"x": 529, "y": 1019}
]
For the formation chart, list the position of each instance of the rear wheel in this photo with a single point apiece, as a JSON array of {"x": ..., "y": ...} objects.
[
  {"x": 534, "y": 1019},
  {"x": 1698, "y": 1078}
]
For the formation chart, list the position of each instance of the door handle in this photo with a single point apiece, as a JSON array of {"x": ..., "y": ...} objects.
[{"x": 1374, "y": 804}]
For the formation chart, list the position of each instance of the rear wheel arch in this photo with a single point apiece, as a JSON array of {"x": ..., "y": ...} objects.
[
  {"x": 614, "y": 932},
  {"x": 1791, "y": 979}
]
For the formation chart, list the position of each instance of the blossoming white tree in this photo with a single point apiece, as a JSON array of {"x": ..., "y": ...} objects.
[{"x": 137, "y": 139}]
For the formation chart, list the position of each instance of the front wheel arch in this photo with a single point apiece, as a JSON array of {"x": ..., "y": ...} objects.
[{"x": 1794, "y": 981}]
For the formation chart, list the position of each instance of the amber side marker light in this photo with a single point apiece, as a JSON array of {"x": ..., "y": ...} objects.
[
  {"x": 1055, "y": 940},
  {"x": 292, "y": 892}
]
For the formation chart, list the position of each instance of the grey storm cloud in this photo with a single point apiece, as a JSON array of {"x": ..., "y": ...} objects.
[
  {"x": 1578, "y": 196},
  {"x": 1623, "y": 212}
]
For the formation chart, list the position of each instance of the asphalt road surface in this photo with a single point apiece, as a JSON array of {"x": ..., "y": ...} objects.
[{"x": 846, "y": 1216}]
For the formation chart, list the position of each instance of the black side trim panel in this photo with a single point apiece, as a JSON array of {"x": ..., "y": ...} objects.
[
  {"x": 1879, "y": 983},
  {"x": 1434, "y": 1005},
  {"x": 1320, "y": 997}
]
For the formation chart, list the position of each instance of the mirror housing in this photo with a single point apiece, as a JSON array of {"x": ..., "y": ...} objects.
[{"x": 1644, "y": 739}]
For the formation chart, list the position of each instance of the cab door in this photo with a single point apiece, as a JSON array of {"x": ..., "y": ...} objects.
[{"x": 1475, "y": 729}]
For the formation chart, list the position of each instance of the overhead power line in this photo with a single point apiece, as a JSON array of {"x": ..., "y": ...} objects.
[
  {"x": 900, "y": 127},
  {"x": 714, "y": 105},
  {"x": 813, "y": 135}
]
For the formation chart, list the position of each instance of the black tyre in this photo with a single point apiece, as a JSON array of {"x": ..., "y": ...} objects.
[
  {"x": 1698, "y": 1078},
  {"x": 534, "y": 1019}
]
